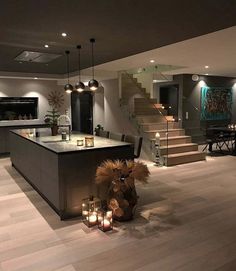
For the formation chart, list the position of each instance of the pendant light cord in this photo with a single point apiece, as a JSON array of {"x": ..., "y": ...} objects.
[
  {"x": 67, "y": 54},
  {"x": 92, "y": 41},
  {"x": 79, "y": 61}
]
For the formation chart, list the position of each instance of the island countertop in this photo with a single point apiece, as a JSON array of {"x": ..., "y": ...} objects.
[{"x": 42, "y": 137}]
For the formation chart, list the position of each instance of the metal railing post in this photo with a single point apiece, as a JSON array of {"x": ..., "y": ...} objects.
[{"x": 167, "y": 142}]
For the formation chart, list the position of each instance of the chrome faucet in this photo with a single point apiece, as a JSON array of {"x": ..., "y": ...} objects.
[{"x": 64, "y": 121}]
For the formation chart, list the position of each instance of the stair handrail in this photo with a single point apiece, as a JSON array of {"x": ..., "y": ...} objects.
[{"x": 159, "y": 112}]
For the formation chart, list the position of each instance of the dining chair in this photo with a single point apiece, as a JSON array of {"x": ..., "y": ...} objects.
[
  {"x": 212, "y": 138},
  {"x": 117, "y": 136},
  {"x": 137, "y": 141}
]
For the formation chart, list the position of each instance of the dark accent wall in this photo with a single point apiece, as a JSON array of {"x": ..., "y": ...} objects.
[{"x": 191, "y": 102}]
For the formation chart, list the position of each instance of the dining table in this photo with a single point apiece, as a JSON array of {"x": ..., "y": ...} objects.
[{"x": 224, "y": 133}]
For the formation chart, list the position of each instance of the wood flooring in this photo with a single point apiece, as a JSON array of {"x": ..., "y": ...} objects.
[{"x": 186, "y": 221}]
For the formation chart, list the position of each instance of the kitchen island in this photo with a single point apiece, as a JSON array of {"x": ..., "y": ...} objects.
[
  {"x": 62, "y": 172},
  {"x": 7, "y": 126}
]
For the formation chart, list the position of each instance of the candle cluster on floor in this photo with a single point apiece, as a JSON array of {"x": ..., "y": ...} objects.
[{"x": 94, "y": 215}]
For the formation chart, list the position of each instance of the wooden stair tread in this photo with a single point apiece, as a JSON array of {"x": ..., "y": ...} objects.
[
  {"x": 181, "y": 154},
  {"x": 178, "y": 146},
  {"x": 171, "y": 137},
  {"x": 164, "y": 130}
]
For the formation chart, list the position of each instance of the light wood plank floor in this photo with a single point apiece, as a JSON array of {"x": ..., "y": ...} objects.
[{"x": 186, "y": 221}]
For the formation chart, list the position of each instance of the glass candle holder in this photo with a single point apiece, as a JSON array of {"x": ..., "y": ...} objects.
[
  {"x": 90, "y": 207},
  {"x": 80, "y": 142},
  {"x": 105, "y": 220},
  {"x": 89, "y": 141}
]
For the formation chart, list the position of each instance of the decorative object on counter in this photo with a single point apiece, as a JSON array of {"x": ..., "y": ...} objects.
[
  {"x": 55, "y": 99},
  {"x": 63, "y": 136},
  {"x": 79, "y": 85},
  {"x": 105, "y": 220},
  {"x": 97, "y": 129},
  {"x": 90, "y": 207},
  {"x": 89, "y": 141},
  {"x": 51, "y": 119},
  {"x": 93, "y": 84},
  {"x": 64, "y": 123},
  {"x": 80, "y": 142},
  {"x": 68, "y": 87},
  {"x": 120, "y": 176}
]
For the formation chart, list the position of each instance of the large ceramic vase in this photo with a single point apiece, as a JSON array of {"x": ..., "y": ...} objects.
[{"x": 54, "y": 130}]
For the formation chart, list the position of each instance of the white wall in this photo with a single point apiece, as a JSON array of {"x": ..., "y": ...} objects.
[
  {"x": 114, "y": 118},
  {"x": 98, "y": 108},
  {"x": 146, "y": 79},
  {"x": 106, "y": 111},
  {"x": 33, "y": 88}
]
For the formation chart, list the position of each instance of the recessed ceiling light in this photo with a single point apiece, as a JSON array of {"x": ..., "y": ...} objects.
[
  {"x": 63, "y": 34},
  {"x": 46, "y": 46},
  {"x": 152, "y": 61},
  {"x": 206, "y": 67},
  {"x": 35, "y": 78},
  {"x": 207, "y": 74}
]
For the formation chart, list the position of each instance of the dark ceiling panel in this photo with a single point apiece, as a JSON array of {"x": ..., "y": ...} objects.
[{"x": 120, "y": 27}]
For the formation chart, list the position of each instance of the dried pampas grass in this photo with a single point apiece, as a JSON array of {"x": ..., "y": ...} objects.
[
  {"x": 110, "y": 171},
  {"x": 140, "y": 172}
]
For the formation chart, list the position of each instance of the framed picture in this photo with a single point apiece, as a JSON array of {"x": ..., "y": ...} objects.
[{"x": 216, "y": 103}]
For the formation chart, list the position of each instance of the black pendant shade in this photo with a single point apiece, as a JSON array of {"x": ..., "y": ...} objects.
[
  {"x": 79, "y": 85},
  {"x": 68, "y": 87},
  {"x": 93, "y": 84}
]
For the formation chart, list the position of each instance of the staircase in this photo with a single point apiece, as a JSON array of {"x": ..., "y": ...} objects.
[{"x": 174, "y": 149}]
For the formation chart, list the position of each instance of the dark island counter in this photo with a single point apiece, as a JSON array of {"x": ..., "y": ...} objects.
[
  {"x": 7, "y": 126},
  {"x": 62, "y": 172}
]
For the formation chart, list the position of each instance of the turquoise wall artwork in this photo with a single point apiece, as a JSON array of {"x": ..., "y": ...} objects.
[{"x": 216, "y": 103}]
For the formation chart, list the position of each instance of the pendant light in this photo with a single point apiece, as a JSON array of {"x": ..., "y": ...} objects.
[
  {"x": 93, "y": 84},
  {"x": 68, "y": 87},
  {"x": 79, "y": 85}
]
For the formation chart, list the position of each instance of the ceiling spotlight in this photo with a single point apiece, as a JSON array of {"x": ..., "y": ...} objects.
[
  {"x": 35, "y": 78},
  {"x": 206, "y": 67},
  {"x": 152, "y": 61},
  {"x": 93, "y": 84},
  {"x": 63, "y": 34},
  {"x": 46, "y": 46},
  {"x": 207, "y": 74}
]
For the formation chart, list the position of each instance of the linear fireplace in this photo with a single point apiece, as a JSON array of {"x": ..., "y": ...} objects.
[{"x": 18, "y": 108}]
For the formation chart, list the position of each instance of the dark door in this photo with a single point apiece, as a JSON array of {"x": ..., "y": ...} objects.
[
  {"x": 82, "y": 112},
  {"x": 169, "y": 96}
]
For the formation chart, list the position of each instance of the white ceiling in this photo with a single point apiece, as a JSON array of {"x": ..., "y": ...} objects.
[{"x": 217, "y": 50}]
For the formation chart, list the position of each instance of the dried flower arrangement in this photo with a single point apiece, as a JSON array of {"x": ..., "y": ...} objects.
[{"x": 120, "y": 176}]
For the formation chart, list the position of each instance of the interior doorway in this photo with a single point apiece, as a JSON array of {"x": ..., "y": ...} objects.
[
  {"x": 169, "y": 97},
  {"x": 82, "y": 112}
]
